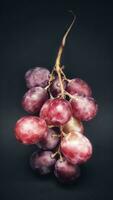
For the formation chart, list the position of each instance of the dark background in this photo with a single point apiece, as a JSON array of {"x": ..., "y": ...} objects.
[{"x": 30, "y": 34}]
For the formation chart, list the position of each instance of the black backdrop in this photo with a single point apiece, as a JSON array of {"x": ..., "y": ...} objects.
[{"x": 30, "y": 34}]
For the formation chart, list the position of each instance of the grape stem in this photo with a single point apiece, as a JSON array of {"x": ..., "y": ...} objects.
[
  {"x": 58, "y": 153},
  {"x": 62, "y": 132},
  {"x": 71, "y": 96},
  {"x": 58, "y": 68},
  {"x": 51, "y": 78}
]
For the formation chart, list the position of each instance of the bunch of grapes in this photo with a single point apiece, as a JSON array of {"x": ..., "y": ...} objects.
[{"x": 57, "y": 107}]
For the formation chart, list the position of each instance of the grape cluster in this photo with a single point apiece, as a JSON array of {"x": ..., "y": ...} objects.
[{"x": 57, "y": 107}]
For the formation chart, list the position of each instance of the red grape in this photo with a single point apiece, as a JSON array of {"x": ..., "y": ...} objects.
[
  {"x": 55, "y": 87},
  {"x": 65, "y": 171},
  {"x": 73, "y": 125},
  {"x": 76, "y": 148},
  {"x": 84, "y": 108},
  {"x": 50, "y": 142},
  {"x": 78, "y": 86},
  {"x": 42, "y": 162},
  {"x": 37, "y": 76},
  {"x": 34, "y": 99},
  {"x": 56, "y": 111},
  {"x": 30, "y": 129}
]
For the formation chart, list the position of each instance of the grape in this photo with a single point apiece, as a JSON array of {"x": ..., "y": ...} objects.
[
  {"x": 34, "y": 99},
  {"x": 76, "y": 148},
  {"x": 50, "y": 142},
  {"x": 55, "y": 88},
  {"x": 30, "y": 129},
  {"x": 78, "y": 86},
  {"x": 73, "y": 125},
  {"x": 45, "y": 110},
  {"x": 84, "y": 108},
  {"x": 42, "y": 162},
  {"x": 37, "y": 76},
  {"x": 56, "y": 111},
  {"x": 65, "y": 171}
]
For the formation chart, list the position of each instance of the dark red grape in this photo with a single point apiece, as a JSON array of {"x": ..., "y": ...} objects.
[
  {"x": 55, "y": 87},
  {"x": 76, "y": 148},
  {"x": 56, "y": 111},
  {"x": 37, "y": 76},
  {"x": 84, "y": 108},
  {"x": 78, "y": 86},
  {"x": 30, "y": 129},
  {"x": 65, "y": 171},
  {"x": 50, "y": 142},
  {"x": 34, "y": 99},
  {"x": 42, "y": 162},
  {"x": 73, "y": 125}
]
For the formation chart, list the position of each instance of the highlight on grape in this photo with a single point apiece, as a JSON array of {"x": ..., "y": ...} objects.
[{"x": 57, "y": 107}]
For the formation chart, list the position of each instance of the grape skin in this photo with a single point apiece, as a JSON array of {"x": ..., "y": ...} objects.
[
  {"x": 30, "y": 129},
  {"x": 37, "y": 76},
  {"x": 84, "y": 108},
  {"x": 50, "y": 142},
  {"x": 55, "y": 87},
  {"x": 78, "y": 86},
  {"x": 73, "y": 125},
  {"x": 65, "y": 171},
  {"x": 76, "y": 148},
  {"x": 42, "y": 162},
  {"x": 56, "y": 111},
  {"x": 34, "y": 99}
]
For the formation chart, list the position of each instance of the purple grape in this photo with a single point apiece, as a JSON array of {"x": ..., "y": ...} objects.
[
  {"x": 37, "y": 76},
  {"x": 65, "y": 171},
  {"x": 55, "y": 87},
  {"x": 78, "y": 86},
  {"x": 50, "y": 142},
  {"x": 42, "y": 162},
  {"x": 34, "y": 99},
  {"x": 84, "y": 108}
]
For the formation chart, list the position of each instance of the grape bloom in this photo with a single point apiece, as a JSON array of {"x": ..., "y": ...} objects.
[
  {"x": 30, "y": 129},
  {"x": 78, "y": 86},
  {"x": 56, "y": 111},
  {"x": 59, "y": 106},
  {"x": 42, "y": 162},
  {"x": 34, "y": 99},
  {"x": 50, "y": 141},
  {"x": 65, "y": 171},
  {"x": 37, "y": 76},
  {"x": 76, "y": 148}
]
